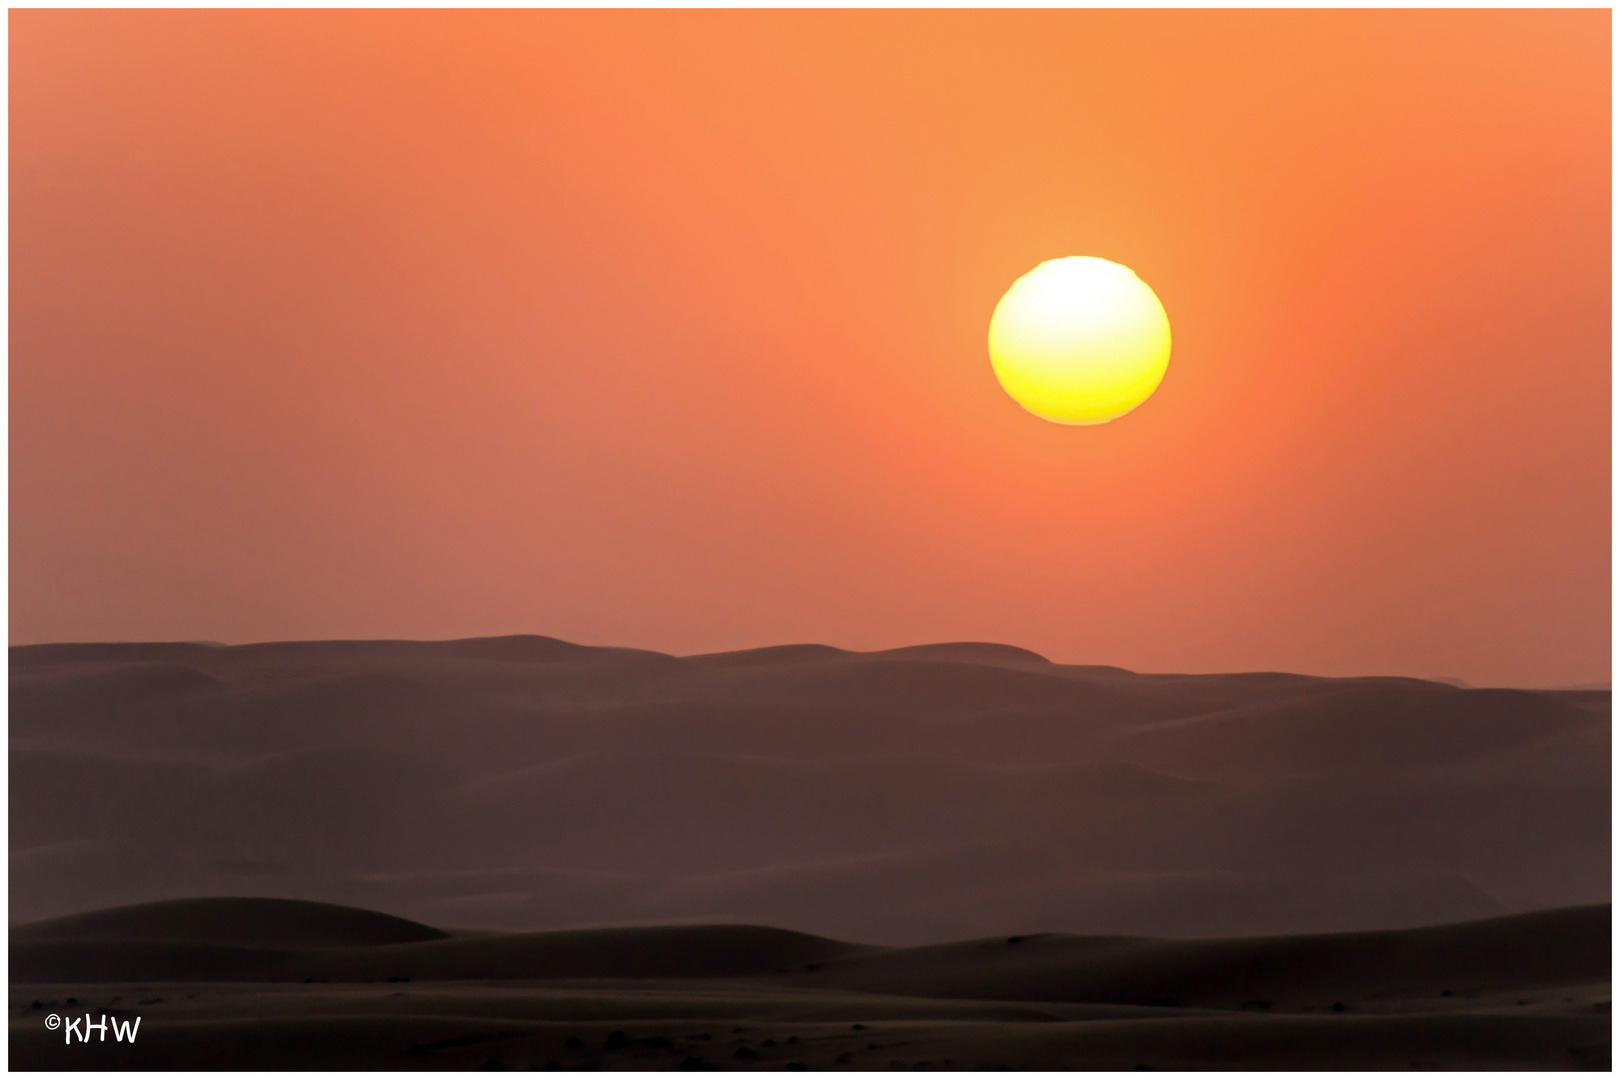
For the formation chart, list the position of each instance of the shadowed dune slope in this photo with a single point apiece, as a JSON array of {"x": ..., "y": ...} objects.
[
  {"x": 279, "y": 940},
  {"x": 1553, "y": 948},
  {"x": 930, "y": 793},
  {"x": 1523, "y": 991},
  {"x": 234, "y": 921},
  {"x": 664, "y": 952}
]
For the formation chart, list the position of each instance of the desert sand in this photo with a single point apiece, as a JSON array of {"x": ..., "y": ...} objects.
[
  {"x": 906, "y": 797},
  {"x": 666, "y": 860},
  {"x": 263, "y": 984}
]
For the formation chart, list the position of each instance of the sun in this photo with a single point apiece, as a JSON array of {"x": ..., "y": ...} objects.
[{"x": 1079, "y": 340}]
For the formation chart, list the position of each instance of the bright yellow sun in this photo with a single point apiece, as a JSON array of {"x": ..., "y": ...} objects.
[{"x": 1079, "y": 340}]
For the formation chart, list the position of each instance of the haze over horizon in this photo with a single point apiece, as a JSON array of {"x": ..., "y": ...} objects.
[
  {"x": 666, "y": 330},
  {"x": 789, "y": 645}
]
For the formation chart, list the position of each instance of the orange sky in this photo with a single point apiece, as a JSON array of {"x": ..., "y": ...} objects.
[{"x": 668, "y": 329}]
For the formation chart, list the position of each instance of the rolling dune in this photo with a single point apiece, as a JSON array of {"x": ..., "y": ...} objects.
[
  {"x": 921, "y": 794},
  {"x": 254, "y": 983}
]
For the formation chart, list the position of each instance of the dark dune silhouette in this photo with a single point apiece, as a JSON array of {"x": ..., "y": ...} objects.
[
  {"x": 255, "y": 983},
  {"x": 250, "y": 922},
  {"x": 915, "y": 795}
]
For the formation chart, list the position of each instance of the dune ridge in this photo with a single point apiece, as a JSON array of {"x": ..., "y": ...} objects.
[
  {"x": 284, "y": 983},
  {"x": 291, "y": 940},
  {"x": 906, "y": 796}
]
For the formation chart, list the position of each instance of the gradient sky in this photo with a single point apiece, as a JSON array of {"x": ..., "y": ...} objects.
[{"x": 667, "y": 329}]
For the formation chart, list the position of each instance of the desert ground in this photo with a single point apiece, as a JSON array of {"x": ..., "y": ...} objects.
[
  {"x": 256, "y": 984},
  {"x": 1156, "y": 870}
]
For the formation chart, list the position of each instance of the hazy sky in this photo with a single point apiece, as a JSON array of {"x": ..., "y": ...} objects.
[{"x": 667, "y": 329}]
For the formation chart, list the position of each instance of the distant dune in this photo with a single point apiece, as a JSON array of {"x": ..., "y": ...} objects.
[
  {"x": 254, "y": 983},
  {"x": 917, "y": 795}
]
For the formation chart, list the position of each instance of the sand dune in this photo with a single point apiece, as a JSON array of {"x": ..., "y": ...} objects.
[
  {"x": 251, "y": 922},
  {"x": 288, "y": 940},
  {"x": 267, "y": 984},
  {"x": 1372, "y": 728},
  {"x": 923, "y": 794}
]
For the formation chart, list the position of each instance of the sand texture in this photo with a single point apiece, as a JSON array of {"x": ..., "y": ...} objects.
[
  {"x": 243, "y": 983},
  {"x": 918, "y": 795}
]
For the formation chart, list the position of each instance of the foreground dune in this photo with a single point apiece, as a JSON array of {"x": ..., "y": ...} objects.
[
  {"x": 252, "y": 983},
  {"x": 916, "y": 795}
]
